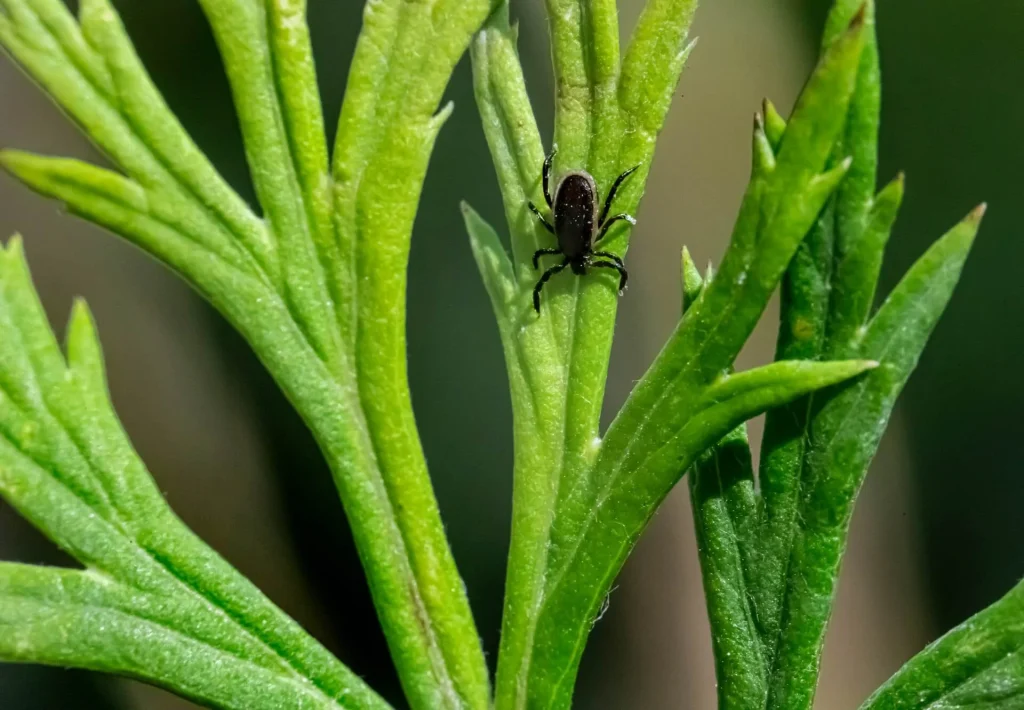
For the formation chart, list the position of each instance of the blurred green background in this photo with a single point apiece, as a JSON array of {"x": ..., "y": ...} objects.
[{"x": 938, "y": 534}]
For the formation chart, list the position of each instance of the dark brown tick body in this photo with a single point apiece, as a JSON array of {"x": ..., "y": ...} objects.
[{"x": 578, "y": 226}]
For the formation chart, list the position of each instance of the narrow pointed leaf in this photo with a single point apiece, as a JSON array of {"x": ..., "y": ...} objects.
[
  {"x": 857, "y": 268},
  {"x": 724, "y": 505},
  {"x": 78, "y": 619},
  {"x": 123, "y": 206},
  {"x": 117, "y": 105},
  {"x": 149, "y": 116},
  {"x": 511, "y": 132},
  {"x": 691, "y": 280},
  {"x": 652, "y": 66},
  {"x": 604, "y": 124},
  {"x": 846, "y": 430},
  {"x": 805, "y": 293},
  {"x": 387, "y": 129},
  {"x": 494, "y": 265},
  {"x": 285, "y": 145},
  {"x": 816, "y": 305},
  {"x": 774, "y": 124},
  {"x": 534, "y": 349},
  {"x": 979, "y": 664}
]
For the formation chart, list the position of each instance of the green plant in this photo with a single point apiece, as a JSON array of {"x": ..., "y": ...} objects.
[{"x": 316, "y": 283}]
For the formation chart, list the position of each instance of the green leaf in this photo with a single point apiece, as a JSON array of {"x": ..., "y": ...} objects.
[
  {"x": 724, "y": 502},
  {"x": 534, "y": 352},
  {"x": 216, "y": 266},
  {"x": 494, "y": 265},
  {"x": 858, "y": 265},
  {"x": 979, "y": 664},
  {"x": 153, "y": 602},
  {"x": 822, "y": 279},
  {"x": 605, "y": 125},
  {"x": 691, "y": 280},
  {"x": 774, "y": 124},
  {"x": 615, "y": 135},
  {"x": 805, "y": 293},
  {"x": 389, "y": 121},
  {"x": 118, "y": 106},
  {"x": 651, "y": 69},
  {"x": 317, "y": 284},
  {"x": 511, "y": 132},
  {"x": 817, "y": 450},
  {"x": 846, "y": 430},
  {"x": 575, "y": 515},
  {"x": 725, "y": 508},
  {"x": 268, "y": 59},
  {"x": 591, "y": 549},
  {"x": 86, "y": 620}
]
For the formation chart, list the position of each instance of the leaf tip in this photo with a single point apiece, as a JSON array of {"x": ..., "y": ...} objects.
[
  {"x": 828, "y": 181},
  {"x": 446, "y": 111},
  {"x": 14, "y": 248},
  {"x": 693, "y": 284},
  {"x": 977, "y": 214},
  {"x": 763, "y": 149},
  {"x": 79, "y": 310},
  {"x": 470, "y": 216},
  {"x": 81, "y": 330},
  {"x": 888, "y": 200},
  {"x": 774, "y": 123}
]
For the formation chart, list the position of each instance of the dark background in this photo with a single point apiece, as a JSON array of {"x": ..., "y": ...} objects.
[{"x": 938, "y": 535}]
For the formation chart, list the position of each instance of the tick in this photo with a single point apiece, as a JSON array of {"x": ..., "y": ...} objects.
[{"x": 578, "y": 226}]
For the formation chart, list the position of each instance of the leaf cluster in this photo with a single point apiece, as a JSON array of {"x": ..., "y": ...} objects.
[{"x": 315, "y": 279}]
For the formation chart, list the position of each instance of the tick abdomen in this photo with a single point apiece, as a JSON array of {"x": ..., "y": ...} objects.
[
  {"x": 577, "y": 226},
  {"x": 575, "y": 212}
]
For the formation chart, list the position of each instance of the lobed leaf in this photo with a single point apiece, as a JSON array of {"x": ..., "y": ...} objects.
[
  {"x": 604, "y": 496},
  {"x": 288, "y": 282},
  {"x": 389, "y": 121},
  {"x": 605, "y": 125},
  {"x": 78, "y": 619},
  {"x": 268, "y": 62},
  {"x": 117, "y": 105},
  {"x": 153, "y": 602}
]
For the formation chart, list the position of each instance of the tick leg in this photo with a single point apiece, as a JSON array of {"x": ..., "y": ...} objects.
[
  {"x": 611, "y": 193},
  {"x": 609, "y": 255},
  {"x": 541, "y": 252},
  {"x": 612, "y": 220},
  {"x": 543, "y": 280},
  {"x": 546, "y": 173},
  {"x": 542, "y": 218},
  {"x": 623, "y": 276}
]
